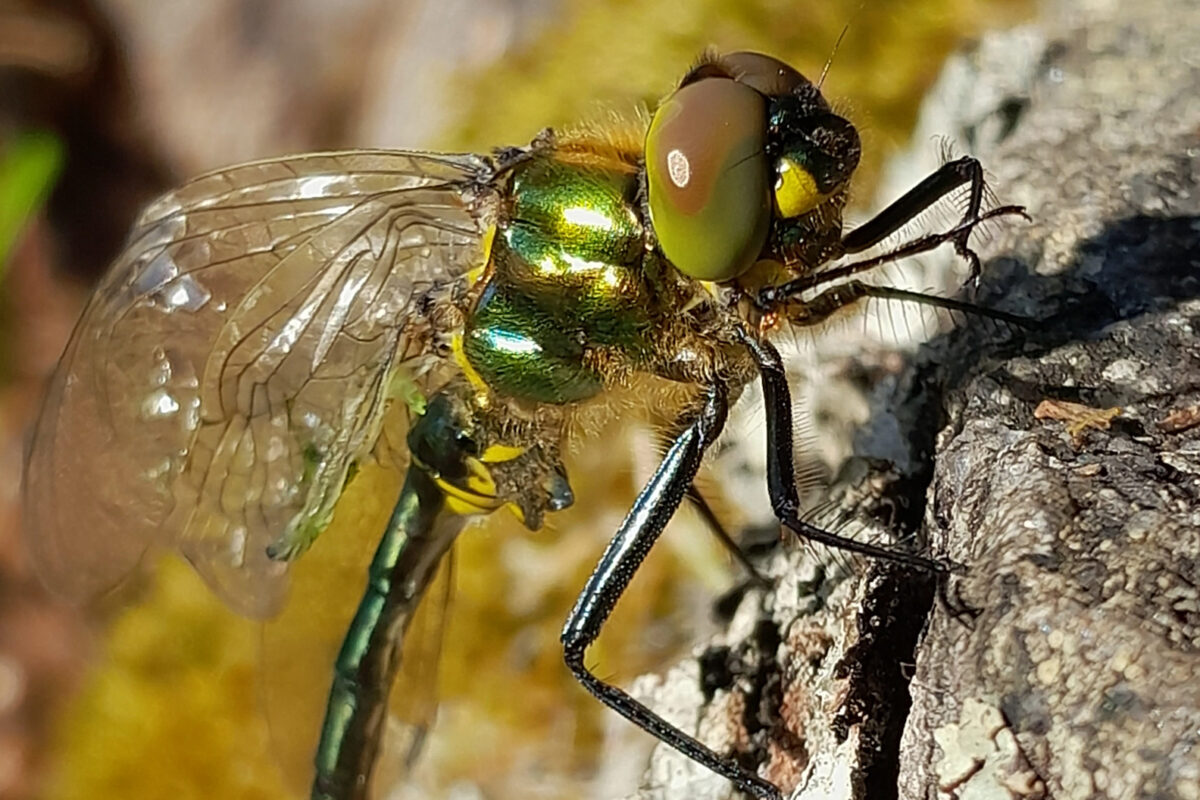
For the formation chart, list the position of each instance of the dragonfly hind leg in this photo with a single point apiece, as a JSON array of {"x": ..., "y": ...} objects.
[{"x": 651, "y": 511}]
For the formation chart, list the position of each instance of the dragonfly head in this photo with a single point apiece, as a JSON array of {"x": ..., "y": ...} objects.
[{"x": 746, "y": 161}]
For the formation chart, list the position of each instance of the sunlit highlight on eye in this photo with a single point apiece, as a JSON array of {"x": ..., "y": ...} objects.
[{"x": 679, "y": 168}]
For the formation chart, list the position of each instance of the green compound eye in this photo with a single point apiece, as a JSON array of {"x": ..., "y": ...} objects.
[{"x": 707, "y": 174}]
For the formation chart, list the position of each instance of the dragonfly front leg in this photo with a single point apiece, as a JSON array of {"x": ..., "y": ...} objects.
[
  {"x": 911, "y": 204},
  {"x": 820, "y": 308},
  {"x": 651, "y": 511},
  {"x": 933, "y": 188},
  {"x": 772, "y": 297}
]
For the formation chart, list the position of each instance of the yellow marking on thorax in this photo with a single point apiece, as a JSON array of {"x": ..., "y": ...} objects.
[
  {"x": 480, "y": 273},
  {"x": 460, "y": 358},
  {"x": 489, "y": 238},
  {"x": 498, "y": 453}
]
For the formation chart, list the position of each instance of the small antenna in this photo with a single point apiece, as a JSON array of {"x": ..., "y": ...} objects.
[
  {"x": 829, "y": 61},
  {"x": 837, "y": 44}
]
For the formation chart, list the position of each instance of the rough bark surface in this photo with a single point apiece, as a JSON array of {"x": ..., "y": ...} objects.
[{"x": 1078, "y": 673}]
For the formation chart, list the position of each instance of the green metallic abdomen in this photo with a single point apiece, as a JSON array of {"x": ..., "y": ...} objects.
[{"x": 566, "y": 282}]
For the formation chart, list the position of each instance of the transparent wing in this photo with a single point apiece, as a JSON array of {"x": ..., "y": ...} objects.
[
  {"x": 300, "y": 645},
  {"x": 414, "y": 698},
  {"x": 233, "y": 363}
]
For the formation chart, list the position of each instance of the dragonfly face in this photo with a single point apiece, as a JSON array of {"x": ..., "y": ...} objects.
[
  {"x": 238, "y": 360},
  {"x": 745, "y": 162}
]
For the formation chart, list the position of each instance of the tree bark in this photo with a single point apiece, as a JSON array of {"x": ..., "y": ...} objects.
[{"x": 1077, "y": 671}]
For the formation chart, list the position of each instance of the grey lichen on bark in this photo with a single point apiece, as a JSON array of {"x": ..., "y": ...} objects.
[{"x": 1077, "y": 672}]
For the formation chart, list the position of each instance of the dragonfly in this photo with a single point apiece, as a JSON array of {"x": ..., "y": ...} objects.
[{"x": 239, "y": 360}]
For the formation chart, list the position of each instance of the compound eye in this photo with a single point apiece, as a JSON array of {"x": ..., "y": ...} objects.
[
  {"x": 708, "y": 178},
  {"x": 765, "y": 73}
]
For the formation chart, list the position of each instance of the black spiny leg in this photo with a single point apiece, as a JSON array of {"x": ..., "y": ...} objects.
[
  {"x": 828, "y": 302},
  {"x": 944, "y": 180},
  {"x": 629, "y": 546},
  {"x": 772, "y": 296},
  {"x": 781, "y": 479}
]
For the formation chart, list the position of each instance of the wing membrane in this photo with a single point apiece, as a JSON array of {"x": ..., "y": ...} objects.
[{"x": 234, "y": 361}]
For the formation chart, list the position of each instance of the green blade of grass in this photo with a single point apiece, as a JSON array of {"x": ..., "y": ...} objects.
[{"x": 29, "y": 165}]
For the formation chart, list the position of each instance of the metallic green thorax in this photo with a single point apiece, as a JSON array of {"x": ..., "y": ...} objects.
[{"x": 566, "y": 282}]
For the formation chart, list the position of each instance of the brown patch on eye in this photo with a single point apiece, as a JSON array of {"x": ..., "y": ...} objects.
[
  {"x": 705, "y": 124},
  {"x": 764, "y": 74}
]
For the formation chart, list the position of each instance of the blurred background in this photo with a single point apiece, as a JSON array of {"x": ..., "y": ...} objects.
[{"x": 160, "y": 692}]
